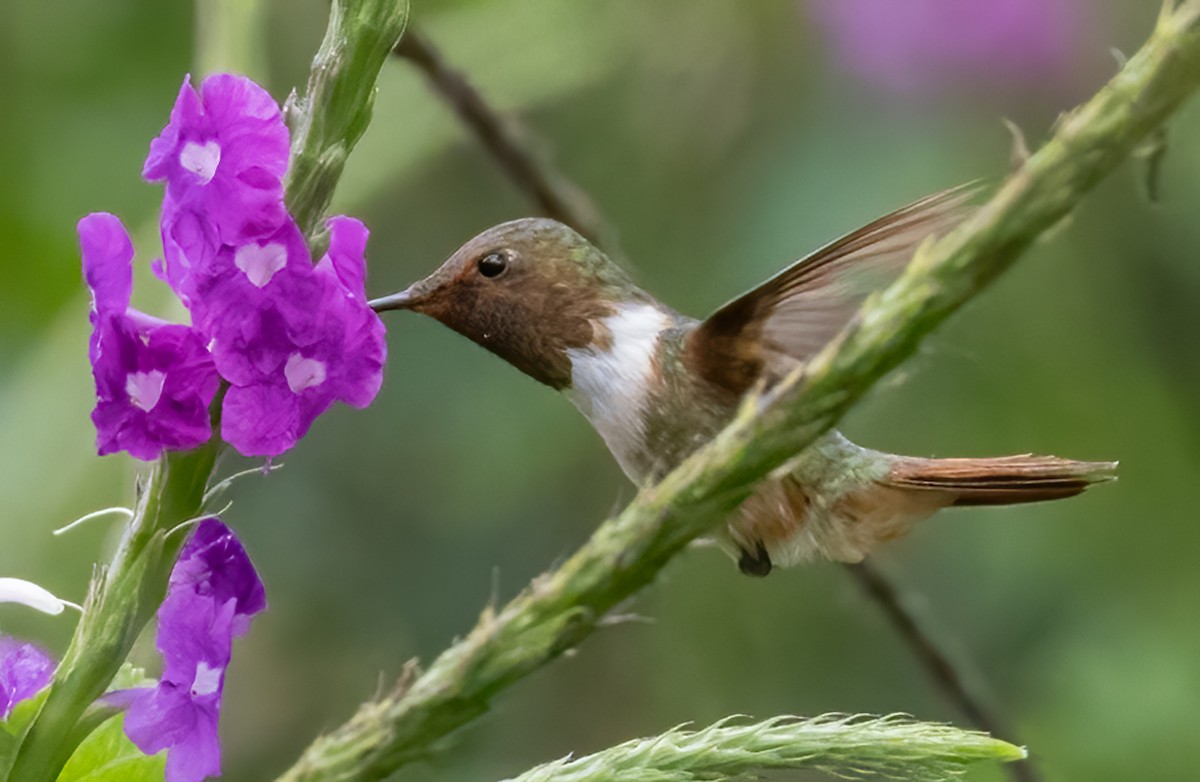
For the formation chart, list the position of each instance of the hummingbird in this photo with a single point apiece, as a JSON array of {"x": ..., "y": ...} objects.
[{"x": 657, "y": 385}]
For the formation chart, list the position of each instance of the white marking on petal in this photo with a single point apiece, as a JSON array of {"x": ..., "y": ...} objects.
[
  {"x": 259, "y": 262},
  {"x": 610, "y": 387},
  {"x": 207, "y": 680},
  {"x": 201, "y": 159},
  {"x": 16, "y": 590},
  {"x": 145, "y": 388},
  {"x": 302, "y": 373}
]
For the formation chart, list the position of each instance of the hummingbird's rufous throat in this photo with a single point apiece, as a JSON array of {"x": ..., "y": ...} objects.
[{"x": 657, "y": 385}]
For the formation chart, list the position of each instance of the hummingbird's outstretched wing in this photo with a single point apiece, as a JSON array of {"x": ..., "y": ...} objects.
[{"x": 785, "y": 321}]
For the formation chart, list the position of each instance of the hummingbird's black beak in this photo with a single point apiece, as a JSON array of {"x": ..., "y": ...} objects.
[{"x": 397, "y": 301}]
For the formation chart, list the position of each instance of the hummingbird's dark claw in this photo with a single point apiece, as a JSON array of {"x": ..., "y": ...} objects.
[{"x": 756, "y": 564}]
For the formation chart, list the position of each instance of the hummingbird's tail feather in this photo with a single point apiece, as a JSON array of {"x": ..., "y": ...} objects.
[
  {"x": 1003, "y": 480},
  {"x": 829, "y": 513}
]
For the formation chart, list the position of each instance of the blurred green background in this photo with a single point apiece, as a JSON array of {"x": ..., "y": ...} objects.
[{"x": 723, "y": 139}]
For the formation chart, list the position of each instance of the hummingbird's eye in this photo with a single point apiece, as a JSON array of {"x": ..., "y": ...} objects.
[{"x": 493, "y": 264}]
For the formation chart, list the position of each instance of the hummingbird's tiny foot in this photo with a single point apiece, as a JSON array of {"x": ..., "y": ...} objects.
[{"x": 756, "y": 564}]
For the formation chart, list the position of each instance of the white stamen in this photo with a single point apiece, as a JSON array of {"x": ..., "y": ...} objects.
[
  {"x": 96, "y": 514},
  {"x": 145, "y": 388},
  {"x": 207, "y": 681},
  {"x": 302, "y": 373},
  {"x": 201, "y": 159},
  {"x": 610, "y": 387},
  {"x": 259, "y": 262},
  {"x": 17, "y": 590},
  {"x": 193, "y": 521},
  {"x": 217, "y": 489}
]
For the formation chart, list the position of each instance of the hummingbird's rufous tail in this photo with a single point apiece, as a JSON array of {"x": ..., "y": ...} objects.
[{"x": 1003, "y": 480}]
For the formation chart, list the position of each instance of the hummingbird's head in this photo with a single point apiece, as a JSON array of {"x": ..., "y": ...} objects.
[{"x": 527, "y": 290}]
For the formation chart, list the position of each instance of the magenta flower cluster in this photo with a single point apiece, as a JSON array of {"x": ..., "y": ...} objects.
[
  {"x": 213, "y": 593},
  {"x": 288, "y": 337}
]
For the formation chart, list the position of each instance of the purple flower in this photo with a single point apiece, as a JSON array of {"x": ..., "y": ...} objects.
[
  {"x": 290, "y": 338},
  {"x": 24, "y": 670},
  {"x": 190, "y": 244},
  {"x": 223, "y": 156},
  {"x": 213, "y": 592},
  {"x": 257, "y": 301},
  {"x": 154, "y": 380},
  {"x": 180, "y": 714},
  {"x": 929, "y": 44},
  {"x": 214, "y": 565},
  {"x": 313, "y": 341}
]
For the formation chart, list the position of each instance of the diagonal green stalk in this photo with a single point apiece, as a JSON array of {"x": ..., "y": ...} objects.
[
  {"x": 124, "y": 596},
  {"x": 846, "y": 746},
  {"x": 562, "y": 607}
]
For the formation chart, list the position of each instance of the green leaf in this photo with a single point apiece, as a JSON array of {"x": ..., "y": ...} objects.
[
  {"x": 130, "y": 677},
  {"x": 108, "y": 756},
  {"x": 12, "y": 728}
]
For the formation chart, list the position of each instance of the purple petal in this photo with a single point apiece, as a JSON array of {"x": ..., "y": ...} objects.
[
  {"x": 185, "y": 112},
  {"x": 195, "y": 631},
  {"x": 347, "y": 253},
  {"x": 261, "y": 302},
  {"x": 167, "y": 717},
  {"x": 261, "y": 419},
  {"x": 180, "y": 713},
  {"x": 214, "y": 564},
  {"x": 159, "y": 717},
  {"x": 24, "y": 670},
  {"x": 199, "y": 755},
  {"x": 212, "y": 592},
  {"x": 190, "y": 246},
  {"x": 107, "y": 261},
  {"x": 223, "y": 155},
  {"x": 153, "y": 388}
]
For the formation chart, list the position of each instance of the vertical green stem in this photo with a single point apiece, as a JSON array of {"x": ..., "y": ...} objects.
[
  {"x": 123, "y": 598},
  {"x": 331, "y": 116}
]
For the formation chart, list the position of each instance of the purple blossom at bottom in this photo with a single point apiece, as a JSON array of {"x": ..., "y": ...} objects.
[
  {"x": 24, "y": 670},
  {"x": 919, "y": 45},
  {"x": 154, "y": 380},
  {"x": 214, "y": 566},
  {"x": 213, "y": 592}
]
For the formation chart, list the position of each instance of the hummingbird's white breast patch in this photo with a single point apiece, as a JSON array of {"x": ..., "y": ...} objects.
[{"x": 611, "y": 387}]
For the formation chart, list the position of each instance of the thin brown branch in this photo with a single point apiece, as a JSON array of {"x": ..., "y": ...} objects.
[
  {"x": 936, "y": 660},
  {"x": 509, "y": 143},
  {"x": 563, "y": 200}
]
